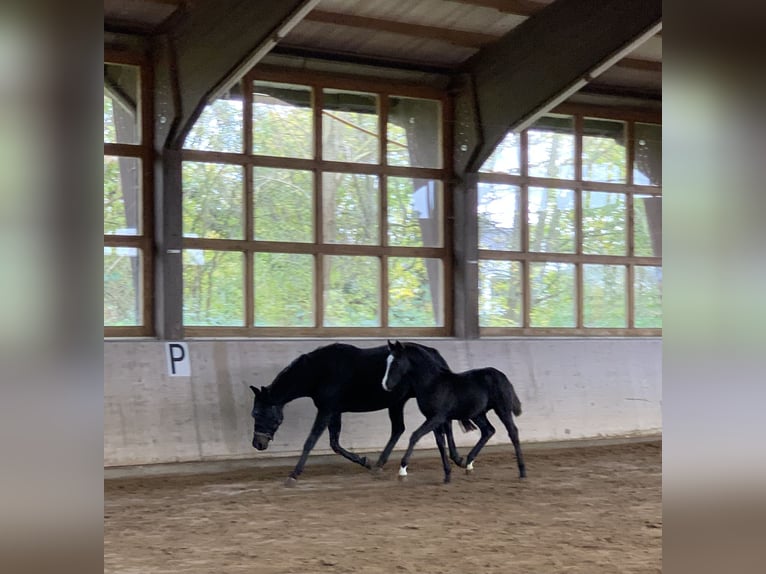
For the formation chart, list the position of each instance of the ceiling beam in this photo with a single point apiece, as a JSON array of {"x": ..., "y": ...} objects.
[
  {"x": 190, "y": 73},
  {"x": 640, "y": 64},
  {"x": 457, "y": 37},
  {"x": 517, "y": 7},
  {"x": 540, "y": 63}
]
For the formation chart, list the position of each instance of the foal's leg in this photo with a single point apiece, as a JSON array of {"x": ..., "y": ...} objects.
[
  {"x": 453, "y": 453},
  {"x": 320, "y": 423},
  {"x": 419, "y": 433},
  {"x": 334, "y": 429},
  {"x": 439, "y": 435},
  {"x": 487, "y": 430},
  {"x": 513, "y": 433},
  {"x": 396, "y": 414}
]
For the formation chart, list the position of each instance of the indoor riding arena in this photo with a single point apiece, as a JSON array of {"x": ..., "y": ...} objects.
[{"x": 478, "y": 180}]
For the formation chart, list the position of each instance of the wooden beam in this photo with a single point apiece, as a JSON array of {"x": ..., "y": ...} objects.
[
  {"x": 542, "y": 62},
  {"x": 457, "y": 37},
  {"x": 639, "y": 64},
  {"x": 517, "y": 7}
]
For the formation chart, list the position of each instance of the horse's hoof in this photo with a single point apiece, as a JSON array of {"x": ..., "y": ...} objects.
[
  {"x": 447, "y": 479},
  {"x": 401, "y": 478},
  {"x": 469, "y": 468},
  {"x": 291, "y": 482},
  {"x": 460, "y": 462},
  {"x": 376, "y": 470},
  {"x": 365, "y": 463}
]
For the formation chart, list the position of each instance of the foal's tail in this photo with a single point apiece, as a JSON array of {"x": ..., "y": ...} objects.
[
  {"x": 507, "y": 392},
  {"x": 467, "y": 425}
]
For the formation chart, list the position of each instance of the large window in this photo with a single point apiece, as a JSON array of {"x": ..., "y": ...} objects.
[
  {"x": 570, "y": 228},
  {"x": 127, "y": 193},
  {"x": 316, "y": 207}
]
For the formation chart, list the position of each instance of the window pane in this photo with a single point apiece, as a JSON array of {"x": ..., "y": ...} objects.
[
  {"x": 350, "y": 208},
  {"x": 352, "y": 291},
  {"x": 212, "y": 200},
  {"x": 122, "y": 100},
  {"x": 284, "y": 290},
  {"x": 647, "y": 163},
  {"x": 350, "y": 127},
  {"x": 604, "y": 228},
  {"x": 647, "y": 296},
  {"x": 214, "y": 288},
  {"x": 500, "y": 295},
  {"x": 122, "y": 287},
  {"x": 604, "y": 299},
  {"x": 284, "y": 205},
  {"x": 414, "y": 212},
  {"x": 219, "y": 128},
  {"x": 647, "y": 226},
  {"x": 604, "y": 155},
  {"x": 122, "y": 195},
  {"x": 283, "y": 123},
  {"x": 507, "y": 156},
  {"x": 552, "y": 288},
  {"x": 551, "y": 220},
  {"x": 551, "y": 147},
  {"x": 415, "y": 292},
  {"x": 499, "y": 213},
  {"x": 414, "y": 132}
]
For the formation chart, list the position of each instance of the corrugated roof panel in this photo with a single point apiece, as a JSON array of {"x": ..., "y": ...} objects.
[{"x": 360, "y": 41}]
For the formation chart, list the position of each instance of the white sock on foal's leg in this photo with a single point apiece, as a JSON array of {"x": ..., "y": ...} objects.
[{"x": 402, "y": 471}]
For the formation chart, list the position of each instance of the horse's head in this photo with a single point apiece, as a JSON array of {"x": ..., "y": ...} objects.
[
  {"x": 397, "y": 365},
  {"x": 267, "y": 417}
]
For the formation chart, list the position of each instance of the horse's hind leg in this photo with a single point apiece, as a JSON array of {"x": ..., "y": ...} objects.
[
  {"x": 439, "y": 435},
  {"x": 487, "y": 430},
  {"x": 334, "y": 428},
  {"x": 396, "y": 414},
  {"x": 513, "y": 433}
]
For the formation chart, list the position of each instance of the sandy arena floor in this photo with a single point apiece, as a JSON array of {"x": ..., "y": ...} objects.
[{"x": 587, "y": 510}]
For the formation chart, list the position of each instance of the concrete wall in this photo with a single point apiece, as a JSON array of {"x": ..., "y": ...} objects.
[{"x": 569, "y": 388}]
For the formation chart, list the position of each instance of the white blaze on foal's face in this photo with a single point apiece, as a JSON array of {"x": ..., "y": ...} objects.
[{"x": 389, "y": 360}]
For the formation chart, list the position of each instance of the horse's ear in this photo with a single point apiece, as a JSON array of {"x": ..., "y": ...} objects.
[
  {"x": 390, "y": 345},
  {"x": 399, "y": 345},
  {"x": 256, "y": 392}
]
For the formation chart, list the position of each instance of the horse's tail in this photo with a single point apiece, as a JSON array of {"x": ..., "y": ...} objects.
[{"x": 467, "y": 425}]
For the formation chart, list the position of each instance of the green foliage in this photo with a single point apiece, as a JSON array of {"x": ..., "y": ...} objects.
[
  {"x": 214, "y": 288},
  {"x": 553, "y": 290},
  {"x": 648, "y": 296},
  {"x": 351, "y": 292},
  {"x": 604, "y": 296},
  {"x": 284, "y": 290},
  {"x": 500, "y": 294},
  {"x": 409, "y": 296},
  {"x": 219, "y": 128},
  {"x": 604, "y": 223},
  {"x": 350, "y": 208},
  {"x": 284, "y": 205},
  {"x": 213, "y": 200},
  {"x": 122, "y": 304}
]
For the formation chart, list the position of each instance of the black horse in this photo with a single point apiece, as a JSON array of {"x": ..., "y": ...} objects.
[
  {"x": 443, "y": 395},
  {"x": 342, "y": 378}
]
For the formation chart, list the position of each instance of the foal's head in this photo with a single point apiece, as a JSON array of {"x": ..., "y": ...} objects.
[
  {"x": 397, "y": 365},
  {"x": 267, "y": 417}
]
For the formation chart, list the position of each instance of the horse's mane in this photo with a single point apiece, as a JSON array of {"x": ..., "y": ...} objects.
[
  {"x": 423, "y": 355},
  {"x": 295, "y": 363}
]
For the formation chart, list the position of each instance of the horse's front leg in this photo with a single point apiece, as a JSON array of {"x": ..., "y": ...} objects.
[
  {"x": 419, "y": 433},
  {"x": 396, "y": 414},
  {"x": 320, "y": 423},
  {"x": 334, "y": 428}
]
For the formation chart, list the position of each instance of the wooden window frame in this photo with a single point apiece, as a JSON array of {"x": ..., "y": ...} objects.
[
  {"x": 144, "y": 151},
  {"x": 318, "y": 81},
  {"x": 578, "y": 185}
]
